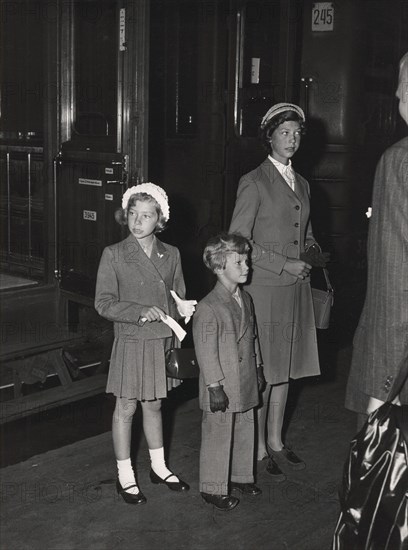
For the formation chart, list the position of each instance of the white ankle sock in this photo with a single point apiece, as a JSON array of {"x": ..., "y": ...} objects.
[
  {"x": 159, "y": 466},
  {"x": 127, "y": 476}
]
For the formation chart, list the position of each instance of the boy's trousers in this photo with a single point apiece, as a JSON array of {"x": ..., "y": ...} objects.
[{"x": 227, "y": 445}]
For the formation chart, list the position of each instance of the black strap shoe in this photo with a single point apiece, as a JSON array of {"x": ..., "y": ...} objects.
[
  {"x": 225, "y": 503},
  {"x": 273, "y": 470},
  {"x": 246, "y": 488},
  {"x": 172, "y": 485},
  {"x": 130, "y": 498}
]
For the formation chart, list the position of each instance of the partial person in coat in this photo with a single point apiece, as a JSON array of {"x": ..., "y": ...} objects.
[
  {"x": 230, "y": 375},
  {"x": 133, "y": 286},
  {"x": 272, "y": 210},
  {"x": 381, "y": 339}
]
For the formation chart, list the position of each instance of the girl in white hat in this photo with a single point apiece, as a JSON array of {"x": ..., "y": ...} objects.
[{"x": 133, "y": 287}]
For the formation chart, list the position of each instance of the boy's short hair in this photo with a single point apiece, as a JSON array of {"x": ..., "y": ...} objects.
[{"x": 217, "y": 248}]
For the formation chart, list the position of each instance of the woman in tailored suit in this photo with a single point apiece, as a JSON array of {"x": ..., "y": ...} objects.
[{"x": 272, "y": 210}]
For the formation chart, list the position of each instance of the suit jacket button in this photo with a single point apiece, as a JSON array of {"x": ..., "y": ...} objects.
[
  {"x": 240, "y": 359},
  {"x": 296, "y": 224},
  {"x": 297, "y": 207},
  {"x": 295, "y": 242}
]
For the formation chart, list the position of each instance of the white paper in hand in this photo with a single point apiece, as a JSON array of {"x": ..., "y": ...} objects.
[
  {"x": 185, "y": 307},
  {"x": 175, "y": 327}
]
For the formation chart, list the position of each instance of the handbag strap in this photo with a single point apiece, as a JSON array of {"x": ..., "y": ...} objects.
[
  {"x": 325, "y": 270},
  {"x": 326, "y": 276}
]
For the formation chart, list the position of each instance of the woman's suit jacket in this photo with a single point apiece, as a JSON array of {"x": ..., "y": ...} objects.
[
  {"x": 128, "y": 280},
  {"x": 224, "y": 341},
  {"x": 276, "y": 221},
  {"x": 381, "y": 340}
]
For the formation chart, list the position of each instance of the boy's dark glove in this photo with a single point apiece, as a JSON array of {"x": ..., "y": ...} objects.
[
  {"x": 261, "y": 379},
  {"x": 218, "y": 399},
  {"x": 315, "y": 258}
]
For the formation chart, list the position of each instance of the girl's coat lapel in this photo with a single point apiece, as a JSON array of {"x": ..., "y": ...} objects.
[
  {"x": 135, "y": 253},
  {"x": 273, "y": 176}
]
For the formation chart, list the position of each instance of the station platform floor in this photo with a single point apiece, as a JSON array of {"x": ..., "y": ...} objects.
[{"x": 64, "y": 498}]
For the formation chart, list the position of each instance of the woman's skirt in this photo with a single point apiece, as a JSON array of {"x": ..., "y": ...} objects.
[
  {"x": 287, "y": 332},
  {"x": 137, "y": 369}
]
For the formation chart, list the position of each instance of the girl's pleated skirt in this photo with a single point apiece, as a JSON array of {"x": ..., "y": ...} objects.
[{"x": 137, "y": 369}]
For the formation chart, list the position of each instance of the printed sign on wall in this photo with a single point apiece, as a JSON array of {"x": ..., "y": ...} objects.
[
  {"x": 89, "y": 215},
  {"x": 322, "y": 16}
]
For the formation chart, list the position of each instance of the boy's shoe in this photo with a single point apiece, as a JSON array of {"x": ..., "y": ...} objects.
[
  {"x": 225, "y": 503},
  {"x": 246, "y": 488}
]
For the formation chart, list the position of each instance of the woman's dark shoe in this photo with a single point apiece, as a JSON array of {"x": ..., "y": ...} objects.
[
  {"x": 130, "y": 498},
  {"x": 246, "y": 488},
  {"x": 225, "y": 503},
  {"x": 173, "y": 485},
  {"x": 287, "y": 456},
  {"x": 273, "y": 470}
]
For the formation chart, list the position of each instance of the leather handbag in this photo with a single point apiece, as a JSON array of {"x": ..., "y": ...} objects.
[
  {"x": 323, "y": 301},
  {"x": 373, "y": 496},
  {"x": 181, "y": 363}
]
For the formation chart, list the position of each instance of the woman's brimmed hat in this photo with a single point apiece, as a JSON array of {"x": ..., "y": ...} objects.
[
  {"x": 158, "y": 194},
  {"x": 281, "y": 108}
]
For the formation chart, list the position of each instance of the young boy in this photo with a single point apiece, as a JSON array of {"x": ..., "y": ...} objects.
[{"x": 224, "y": 339}]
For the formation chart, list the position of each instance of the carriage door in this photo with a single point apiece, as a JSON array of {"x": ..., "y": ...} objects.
[
  {"x": 102, "y": 135},
  {"x": 263, "y": 70}
]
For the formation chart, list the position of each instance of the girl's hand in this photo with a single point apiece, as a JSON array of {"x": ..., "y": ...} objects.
[
  {"x": 152, "y": 313},
  {"x": 297, "y": 268},
  {"x": 186, "y": 308}
]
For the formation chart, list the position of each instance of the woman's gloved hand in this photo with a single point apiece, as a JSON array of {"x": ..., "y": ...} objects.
[
  {"x": 315, "y": 257},
  {"x": 218, "y": 398}
]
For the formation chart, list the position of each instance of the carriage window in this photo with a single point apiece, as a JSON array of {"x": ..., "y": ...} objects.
[
  {"x": 95, "y": 68},
  {"x": 257, "y": 64},
  {"x": 23, "y": 86}
]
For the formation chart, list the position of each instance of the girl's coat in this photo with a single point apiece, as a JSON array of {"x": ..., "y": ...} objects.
[{"x": 127, "y": 281}]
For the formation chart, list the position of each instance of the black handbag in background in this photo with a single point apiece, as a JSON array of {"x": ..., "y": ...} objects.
[
  {"x": 181, "y": 363},
  {"x": 374, "y": 492}
]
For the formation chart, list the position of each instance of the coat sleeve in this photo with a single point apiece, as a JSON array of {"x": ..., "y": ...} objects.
[
  {"x": 243, "y": 221},
  {"x": 178, "y": 278},
  {"x": 205, "y": 334},
  {"x": 107, "y": 302}
]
